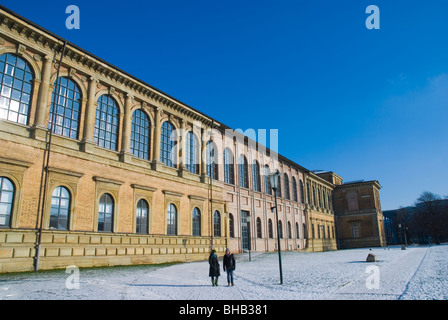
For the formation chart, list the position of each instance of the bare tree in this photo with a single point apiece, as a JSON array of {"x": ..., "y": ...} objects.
[{"x": 431, "y": 215}]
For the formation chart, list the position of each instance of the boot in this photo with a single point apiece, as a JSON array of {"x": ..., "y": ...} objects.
[{"x": 216, "y": 282}]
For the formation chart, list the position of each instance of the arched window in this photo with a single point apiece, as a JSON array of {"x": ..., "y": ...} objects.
[
  {"x": 243, "y": 172},
  {"x": 106, "y": 213},
  {"x": 229, "y": 172},
  {"x": 6, "y": 202},
  {"x": 16, "y": 87},
  {"x": 196, "y": 222},
  {"x": 267, "y": 182},
  {"x": 280, "y": 229},
  {"x": 259, "y": 230},
  {"x": 142, "y": 217},
  {"x": 168, "y": 143},
  {"x": 279, "y": 189},
  {"x": 140, "y": 134},
  {"x": 302, "y": 197},
  {"x": 106, "y": 123},
  {"x": 212, "y": 160},
  {"x": 60, "y": 209},
  {"x": 297, "y": 230},
  {"x": 289, "y": 230},
  {"x": 231, "y": 226},
  {"x": 270, "y": 229},
  {"x": 171, "y": 220},
  {"x": 294, "y": 189},
  {"x": 192, "y": 153},
  {"x": 286, "y": 181},
  {"x": 256, "y": 176},
  {"x": 66, "y": 110},
  {"x": 217, "y": 224},
  {"x": 305, "y": 236}
]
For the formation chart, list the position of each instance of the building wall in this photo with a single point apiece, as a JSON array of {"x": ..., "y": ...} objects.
[{"x": 89, "y": 171}]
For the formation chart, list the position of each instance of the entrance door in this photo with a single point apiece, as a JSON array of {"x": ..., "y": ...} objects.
[{"x": 245, "y": 230}]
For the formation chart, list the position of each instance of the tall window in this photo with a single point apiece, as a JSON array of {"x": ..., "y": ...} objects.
[
  {"x": 256, "y": 176},
  {"x": 171, "y": 220},
  {"x": 229, "y": 173},
  {"x": 294, "y": 189},
  {"x": 192, "y": 153},
  {"x": 259, "y": 233},
  {"x": 196, "y": 222},
  {"x": 270, "y": 229},
  {"x": 16, "y": 86},
  {"x": 279, "y": 189},
  {"x": 217, "y": 224},
  {"x": 286, "y": 180},
  {"x": 280, "y": 229},
  {"x": 267, "y": 182},
  {"x": 6, "y": 201},
  {"x": 243, "y": 172},
  {"x": 212, "y": 160},
  {"x": 60, "y": 209},
  {"x": 302, "y": 196},
  {"x": 66, "y": 110},
  {"x": 106, "y": 123},
  {"x": 142, "y": 217},
  {"x": 140, "y": 134},
  {"x": 231, "y": 226},
  {"x": 289, "y": 230},
  {"x": 106, "y": 213},
  {"x": 168, "y": 144}
]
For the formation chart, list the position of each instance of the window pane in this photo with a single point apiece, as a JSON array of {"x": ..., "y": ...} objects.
[
  {"x": 107, "y": 114},
  {"x": 13, "y": 75},
  {"x": 140, "y": 134}
]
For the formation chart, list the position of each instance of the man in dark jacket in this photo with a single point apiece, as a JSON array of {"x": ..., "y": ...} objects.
[
  {"x": 214, "y": 268},
  {"x": 229, "y": 265}
]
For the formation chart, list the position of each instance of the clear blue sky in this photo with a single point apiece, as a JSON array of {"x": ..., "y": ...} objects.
[{"x": 366, "y": 104}]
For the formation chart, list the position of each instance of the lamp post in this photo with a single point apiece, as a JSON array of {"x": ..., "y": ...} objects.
[{"x": 273, "y": 179}]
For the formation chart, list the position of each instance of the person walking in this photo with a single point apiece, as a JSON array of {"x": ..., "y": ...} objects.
[
  {"x": 229, "y": 265},
  {"x": 214, "y": 271}
]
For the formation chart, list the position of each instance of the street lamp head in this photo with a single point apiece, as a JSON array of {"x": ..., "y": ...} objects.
[{"x": 273, "y": 179}]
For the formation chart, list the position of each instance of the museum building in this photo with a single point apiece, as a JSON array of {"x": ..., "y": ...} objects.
[{"x": 98, "y": 168}]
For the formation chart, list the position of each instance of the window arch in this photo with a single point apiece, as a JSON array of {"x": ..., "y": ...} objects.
[
  {"x": 212, "y": 160},
  {"x": 106, "y": 213},
  {"x": 229, "y": 171},
  {"x": 67, "y": 109},
  {"x": 267, "y": 182},
  {"x": 192, "y": 153},
  {"x": 270, "y": 229},
  {"x": 196, "y": 222},
  {"x": 231, "y": 226},
  {"x": 286, "y": 181},
  {"x": 60, "y": 209},
  {"x": 294, "y": 189},
  {"x": 106, "y": 123},
  {"x": 259, "y": 230},
  {"x": 256, "y": 176},
  {"x": 302, "y": 197},
  {"x": 289, "y": 230},
  {"x": 140, "y": 134},
  {"x": 243, "y": 172},
  {"x": 168, "y": 143},
  {"x": 142, "y": 217},
  {"x": 280, "y": 229},
  {"x": 16, "y": 87},
  {"x": 7, "y": 192},
  {"x": 279, "y": 189},
  {"x": 217, "y": 224},
  {"x": 171, "y": 219}
]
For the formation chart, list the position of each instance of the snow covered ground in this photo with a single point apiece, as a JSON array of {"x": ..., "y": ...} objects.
[{"x": 418, "y": 273}]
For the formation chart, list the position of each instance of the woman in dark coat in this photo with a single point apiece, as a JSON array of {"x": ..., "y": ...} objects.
[{"x": 214, "y": 272}]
